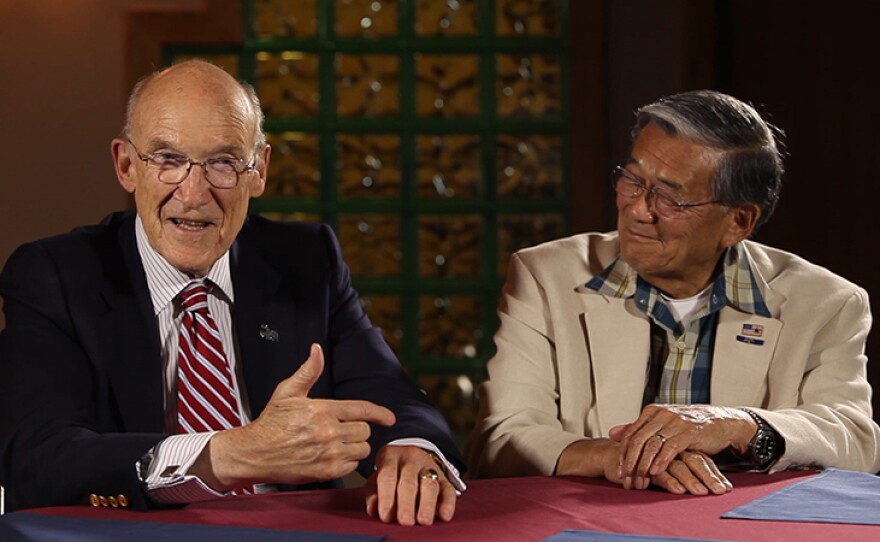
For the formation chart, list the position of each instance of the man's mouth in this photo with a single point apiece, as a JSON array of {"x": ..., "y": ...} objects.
[
  {"x": 640, "y": 235},
  {"x": 191, "y": 225}
]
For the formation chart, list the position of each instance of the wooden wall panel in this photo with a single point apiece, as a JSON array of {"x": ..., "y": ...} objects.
[{"x": 811, "y": 67}]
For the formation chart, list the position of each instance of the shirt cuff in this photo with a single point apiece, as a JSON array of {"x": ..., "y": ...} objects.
[
  {"x": 451, "y": 472},
  {"x": 165, "y": 477}
]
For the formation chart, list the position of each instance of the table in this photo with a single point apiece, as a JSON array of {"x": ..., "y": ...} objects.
[{"x": 529, "y": 508}]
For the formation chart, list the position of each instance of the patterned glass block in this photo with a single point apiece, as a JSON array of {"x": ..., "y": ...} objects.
[
  {"x": 455, "y": 398},
  {"x": 385, "y": 312},
  {"x": 449, "y": 245},
  {"x": 516, "y": 232},
  {"x": 371, "y": 244},
  {"x": 368, "y": 165},
  {"x": 229, "y": 62},
  {"x": 285, "y": 18},
  {"x": 447, "y": 85},
  {"x": 527, "y": 17},
  {"x": 367, "y": 85},
  {"x": 448, "y": 166},
  {"x": 447, "y": 18},
  {"x": 529, "y": 166},
  {"x": 287, "y": 83},
  {"x": 292, "y": 217},
  {"x": 365, "y": 18},
  {"x": 294, "y": 168},
  {"x": 528, "y": 85},
  {"x": 449, "y": 326}
]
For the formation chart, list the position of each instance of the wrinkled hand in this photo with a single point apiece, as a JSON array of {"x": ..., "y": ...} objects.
[
  {"x": 663, "y": 432},
  {"x": 694, "y": 473},
  {"x": 690, "y": 472},
  {"x": 295, "y": 439},
  {"x": 398, "y": 491}
]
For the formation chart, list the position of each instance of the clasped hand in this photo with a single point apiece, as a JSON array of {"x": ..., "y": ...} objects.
[
  {"x": 298, "y": 440},
  {"x": 671, "y": 445}
]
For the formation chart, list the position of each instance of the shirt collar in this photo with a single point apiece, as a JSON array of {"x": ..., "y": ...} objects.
[
  {"x": 165, "y": 281},
  {"x": 735, "y": 285}
]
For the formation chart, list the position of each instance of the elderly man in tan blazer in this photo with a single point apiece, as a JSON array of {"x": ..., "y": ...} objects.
[{"x": 674, "y": 348}]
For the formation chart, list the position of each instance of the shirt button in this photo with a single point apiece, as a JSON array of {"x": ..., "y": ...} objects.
[{"x": 680, "y": 345}]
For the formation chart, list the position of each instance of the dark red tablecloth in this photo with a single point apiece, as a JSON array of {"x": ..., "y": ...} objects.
[{"x": 514, "y": 509}]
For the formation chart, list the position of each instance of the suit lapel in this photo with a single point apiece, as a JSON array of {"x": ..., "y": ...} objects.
[
  {"x": 133, "y": 357},
  {"x": 741, "y": 359},
  {"x": 618, "y": 340},
  {"x": 265, "y": 333},
  {"x": 743, "y": 353}
]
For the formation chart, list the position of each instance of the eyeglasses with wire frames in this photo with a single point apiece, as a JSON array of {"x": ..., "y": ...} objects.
[
  {"x": 173, "y": 168},
  {"x": 667, "y": 205}
]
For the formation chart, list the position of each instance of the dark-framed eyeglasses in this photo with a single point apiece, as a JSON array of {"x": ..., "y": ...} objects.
[
  {"x": 630, "y": 186},
  {"x": 173, "y": 168}
]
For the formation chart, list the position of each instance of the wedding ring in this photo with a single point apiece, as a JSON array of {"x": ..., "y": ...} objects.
[
  {"x": 661, "y": 437},
  {"x": 428, "y": 474}
]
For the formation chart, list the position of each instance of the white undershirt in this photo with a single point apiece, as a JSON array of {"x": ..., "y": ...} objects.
[{"x": 684, "y": 309}]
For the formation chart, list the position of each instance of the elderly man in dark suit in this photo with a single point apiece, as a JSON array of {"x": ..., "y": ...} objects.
[{"x": 187, "y": 351}]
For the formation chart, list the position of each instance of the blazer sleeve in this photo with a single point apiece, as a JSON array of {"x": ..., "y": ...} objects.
[
  {"x": 364, "y": 367},
  {"x": 518, "y": 431},
  {"x": 56, "y": 441},
  {"x": 831, "y": 423}
]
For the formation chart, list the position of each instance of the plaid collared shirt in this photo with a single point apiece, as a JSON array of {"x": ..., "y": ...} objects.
[{"x": 685, "y": 373}]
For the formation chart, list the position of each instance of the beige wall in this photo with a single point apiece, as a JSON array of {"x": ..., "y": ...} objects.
[{"x": 62, "y": 95}]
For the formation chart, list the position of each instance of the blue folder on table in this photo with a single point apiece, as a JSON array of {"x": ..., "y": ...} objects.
[
  {"x": 28, "y": 527},
  {"x": 833, "y": 496}
]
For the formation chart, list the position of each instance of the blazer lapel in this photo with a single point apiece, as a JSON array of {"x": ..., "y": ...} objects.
[
  {"x": 744, "y": 346},
  {"x": 264, "y": 332},
  {"x": 618, "y": 341},
  {"x": 133, "y": 356}
]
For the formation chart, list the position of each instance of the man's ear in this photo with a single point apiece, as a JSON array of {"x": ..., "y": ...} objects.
[
  {"x": 122, "y": 152},
  {"x": 258, "y": 185},
  {"x": 743, "y": 220}
]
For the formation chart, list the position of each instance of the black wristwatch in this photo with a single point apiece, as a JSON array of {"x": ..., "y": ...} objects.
[{"x": 766, "y": 445}]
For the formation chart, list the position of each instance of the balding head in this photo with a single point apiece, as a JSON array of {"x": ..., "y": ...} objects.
[{"x": 203, "y": 79}]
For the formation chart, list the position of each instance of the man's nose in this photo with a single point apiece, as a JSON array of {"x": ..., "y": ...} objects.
[
  {"x": 194, "y": 190},
  {"x": 642, "y": 207}
]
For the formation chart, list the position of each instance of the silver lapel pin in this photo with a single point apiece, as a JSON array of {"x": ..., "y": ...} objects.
[{"x": 268, "y": 334}]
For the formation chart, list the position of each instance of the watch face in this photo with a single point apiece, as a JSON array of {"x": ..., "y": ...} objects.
[{"x": 764, "y": 447}]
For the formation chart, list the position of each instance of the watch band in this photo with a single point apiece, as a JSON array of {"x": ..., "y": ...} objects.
[{"x": 766, "y": 445}]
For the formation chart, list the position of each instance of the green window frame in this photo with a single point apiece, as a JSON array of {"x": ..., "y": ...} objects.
[{"x": 507, "y": 216}]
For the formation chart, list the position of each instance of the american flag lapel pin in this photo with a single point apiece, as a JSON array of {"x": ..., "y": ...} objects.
[
  {"x": 268, "y": 334},
  {"x": 751, "y": 334}
]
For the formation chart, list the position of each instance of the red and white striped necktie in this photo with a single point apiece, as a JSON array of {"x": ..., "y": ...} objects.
[{"x": 205, "y": 394}]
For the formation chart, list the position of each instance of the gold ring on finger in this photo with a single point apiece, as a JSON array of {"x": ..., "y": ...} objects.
[
  {"x": 428, "y": 474},
  {"x": 661, "y": 437}
]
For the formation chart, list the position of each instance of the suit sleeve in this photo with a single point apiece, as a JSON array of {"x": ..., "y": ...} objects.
[
  {"x": 831, "y": 426},
  {"x": 518, "y": 431},
  {"x": 54, "y": 446},
  {"x": 364, "y": 367}
]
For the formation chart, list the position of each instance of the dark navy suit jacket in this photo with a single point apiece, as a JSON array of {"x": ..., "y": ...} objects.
[{"x": 81, "y": 388}]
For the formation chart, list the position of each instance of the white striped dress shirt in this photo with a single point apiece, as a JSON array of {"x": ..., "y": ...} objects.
[{"x": 166, "y": 478}]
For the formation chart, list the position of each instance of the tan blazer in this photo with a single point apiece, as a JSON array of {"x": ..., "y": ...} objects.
[{"x": 571, "y": 363}]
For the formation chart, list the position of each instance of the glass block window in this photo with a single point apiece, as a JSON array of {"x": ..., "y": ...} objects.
[{"x": 433, "y": 136}]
